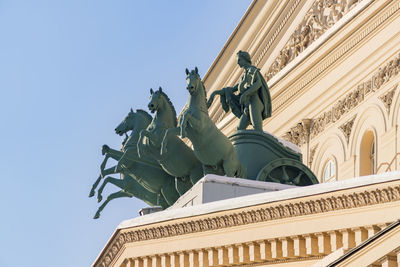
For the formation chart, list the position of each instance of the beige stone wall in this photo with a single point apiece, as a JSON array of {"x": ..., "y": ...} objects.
[
  {"x": 345, "y": 81},
  {"x": 294, "y": 231}
]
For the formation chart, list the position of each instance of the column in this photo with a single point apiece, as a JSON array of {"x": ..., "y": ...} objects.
[
  {"x": 165, "y": 261},
  {"x": 360, "y": 234},
  {"x": 223, "y": 258},
  {"x": 311, "y": 245},
  {"x": 155, "y": 261},
  {"x": 288, "y": 250},
  {"x": 183, "y": 259},
  {"x": 348, "y": 238},
  {"x": 265, "y": 250},
  {"x": 212, "y": 257},
  {"x": 336, "y": 240},
  {"x": 299, "y": 246},
  {"x": 324, "y": 243},
  {"x": 203, "y": 258},
  {"x": 193, "y": 258},
  {"x": 138, "y": 262},
  {"x": 372, "y": 230},
  {"x": 244, "y": 256},
  {"x": 388, "y": 261},
  {"x": 276, "y": 248},
  {"x": 173, "y": 259},
  {"x": 233, "y": 254},
  {"x": 254, "y": 252}
]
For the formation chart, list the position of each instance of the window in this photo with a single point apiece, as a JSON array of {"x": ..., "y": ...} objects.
[
  {"x": 329, "y": 171},
  {"x": 368, "y": 154}
]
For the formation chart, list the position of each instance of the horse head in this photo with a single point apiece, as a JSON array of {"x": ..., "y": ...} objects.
[
  {"x": 156, "y": 100},
  {"x": 127, "y": 124},
  {"x": 193, "y": 81},
  {"x": 160, "y": 103},
  {"x": 139, "y": 119}
]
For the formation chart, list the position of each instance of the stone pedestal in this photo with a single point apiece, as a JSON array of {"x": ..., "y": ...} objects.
[{"x": 213, "y": 187}]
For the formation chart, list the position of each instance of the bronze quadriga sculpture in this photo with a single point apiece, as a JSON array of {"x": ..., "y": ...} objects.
[{"x": 157, "y": 166}]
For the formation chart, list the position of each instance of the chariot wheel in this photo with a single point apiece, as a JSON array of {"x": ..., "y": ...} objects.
[{"x": 287, "y": 171}]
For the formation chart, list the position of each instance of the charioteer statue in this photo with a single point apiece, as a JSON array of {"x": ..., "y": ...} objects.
[{"x": 249, "y": 99}]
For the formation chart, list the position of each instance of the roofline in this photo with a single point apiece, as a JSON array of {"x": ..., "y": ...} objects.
[
  {"x": 98, "y": 258},
  {"x": 235, "y": 31},
  {"x": 365, "y": 243}
]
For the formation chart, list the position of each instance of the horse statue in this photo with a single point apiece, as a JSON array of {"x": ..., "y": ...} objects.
[
  {"x": 131, "y": 182},
  {"x": 213, "y": 149},
  {"x": 180, "y": 160}
]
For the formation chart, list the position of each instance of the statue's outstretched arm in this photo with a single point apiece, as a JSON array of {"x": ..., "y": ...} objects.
[{"x": 213, "y": 94}]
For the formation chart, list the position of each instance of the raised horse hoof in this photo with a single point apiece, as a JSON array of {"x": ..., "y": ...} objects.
[
  {"x": 99, "y": 198},
  {"x": 97, "y": 215},
  {"x": 105, "y": 149},
  {"x": 91, "y": 193}
]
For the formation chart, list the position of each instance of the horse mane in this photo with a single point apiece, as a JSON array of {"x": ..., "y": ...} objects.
[
  {"x": 202, "y": 84},
  {"x": 172, "y": 107},
  {"x": 145, "y": 114}
]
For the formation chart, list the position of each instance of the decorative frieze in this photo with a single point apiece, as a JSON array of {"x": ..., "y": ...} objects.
[
  {"x": 346, "y": 128},
  {"x": 321, "y": 16},
  {"x": 349, "y": 102},
  {"x": 387, "y": 98},
  {"x": 253, "y": 215}
]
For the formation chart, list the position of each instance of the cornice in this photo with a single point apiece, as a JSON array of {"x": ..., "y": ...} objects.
[
  {"x": 340, "y": 50},
  {"x": 358, "y": 95},
  {"x": 256, "y": 214},
  {"x": 270, "y": 37}
]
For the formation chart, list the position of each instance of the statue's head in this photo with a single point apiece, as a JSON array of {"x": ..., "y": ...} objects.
[
  {"x": 243, "y": 58},
  {"x": 155, "y": 100},
  {"x": 192, "y": 78},
  {"x": 127, "y": 124}
]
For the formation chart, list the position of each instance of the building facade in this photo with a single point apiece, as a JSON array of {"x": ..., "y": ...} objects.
[{"x": 333, "y": 68}]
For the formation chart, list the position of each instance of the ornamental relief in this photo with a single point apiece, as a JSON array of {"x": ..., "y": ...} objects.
[
  {"x": 346, "y": 128},
  {"x": 322, "y": 15},
  {"x": 387, "y": 98},
  {"x": 297, "y": 135},
  {"x": 301, "y": 208}
]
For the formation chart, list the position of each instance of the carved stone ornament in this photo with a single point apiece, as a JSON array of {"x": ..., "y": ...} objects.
[
  {"x": 347, "y": 127},
  {"x": 387, "y": 98},
  {"x": 350, "y": 101},
  {"x": 253, "y": 215},
  {"x": 321, "y": 16},
  {"x": 299, "y": 134},
  {"x": 312, "y": 154}
]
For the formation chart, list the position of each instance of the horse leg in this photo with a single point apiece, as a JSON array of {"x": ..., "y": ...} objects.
[
  {"x": 168, "y": 133},
  {"x": 169, "y": 192},
  {"x": 196, "y": 173},
  {"x": 140, "y": 145},
  {"x": 182, "y": 185},
  {"x": 118, "y": 182},
  {"x": 109, "y": 198},
  {"x": 102, "y": 175},
  {"x": 232, "y": 166},
  {"x": 92, "y": 191}
]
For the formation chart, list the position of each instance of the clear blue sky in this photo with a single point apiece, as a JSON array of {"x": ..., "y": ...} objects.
[{"x": 69, "y": 72}]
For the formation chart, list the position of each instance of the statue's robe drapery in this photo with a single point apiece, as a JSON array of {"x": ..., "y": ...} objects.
[{"x": 231, "y": 100}]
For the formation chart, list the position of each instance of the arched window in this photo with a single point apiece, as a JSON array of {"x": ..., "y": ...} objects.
[
  {"x": 329, "y": 171},
  {"x": 368, "y": 154}
]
